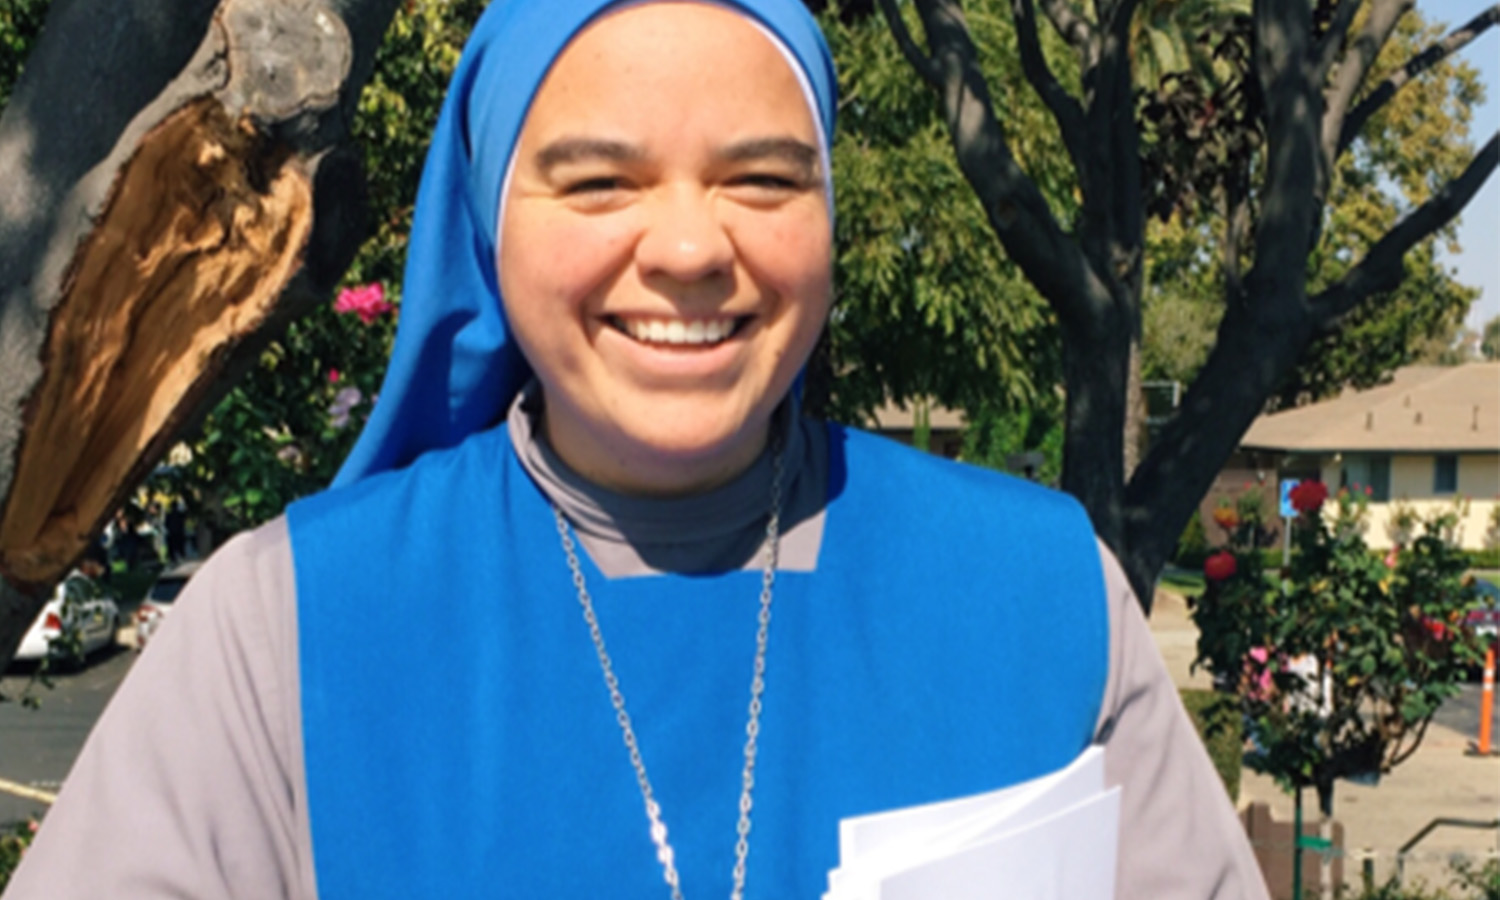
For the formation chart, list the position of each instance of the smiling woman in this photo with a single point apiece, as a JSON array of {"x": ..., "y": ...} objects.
[
  {"x": 665, "y": 259},
  {"x": 585, "y": 487}
]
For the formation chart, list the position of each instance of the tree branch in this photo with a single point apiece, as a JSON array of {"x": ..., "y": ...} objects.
[
  {"x": 1431, "y": 56},
  {"x": 1333, "y": 39},
  {"x": 1016, "y": 209},
  {"x": 1384, "y": 15},
  {"x": 1074, "y": 28},
  {"x": 919, "y": 61},
  {"x": 1381, "y": 269},
  {"x": 1065, "y": 108},
  {"x": 1237, "y": 223}
]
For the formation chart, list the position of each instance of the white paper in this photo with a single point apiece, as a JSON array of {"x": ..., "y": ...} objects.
[{"x": 1051, "y": 837}]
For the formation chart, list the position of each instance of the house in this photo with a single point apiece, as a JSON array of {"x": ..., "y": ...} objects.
[
  {"x": 945, "y": 427},
  {"x": 1428, "y": 438}
]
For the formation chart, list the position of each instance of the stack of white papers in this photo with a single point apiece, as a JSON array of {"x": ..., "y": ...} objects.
[{"x": 1051, "y": 838}]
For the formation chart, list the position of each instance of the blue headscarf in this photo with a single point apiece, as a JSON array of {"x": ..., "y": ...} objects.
[{"x": 455, "y": 367}]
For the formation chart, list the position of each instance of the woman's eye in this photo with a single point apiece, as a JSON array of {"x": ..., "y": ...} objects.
[
  {"x": 600, "y": 185},
  {"x": 767, "y": 181}
]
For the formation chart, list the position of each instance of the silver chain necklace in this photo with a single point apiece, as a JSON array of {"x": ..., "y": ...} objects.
[{"x": 664, "y": 852}]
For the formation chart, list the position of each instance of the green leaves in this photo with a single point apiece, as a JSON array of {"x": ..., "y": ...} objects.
[
  {"x": 1341, "y": 658},
  {"x": 928, "y": 305}
]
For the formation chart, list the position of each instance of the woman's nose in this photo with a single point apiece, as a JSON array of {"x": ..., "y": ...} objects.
[{"x": 684, "y": 239}]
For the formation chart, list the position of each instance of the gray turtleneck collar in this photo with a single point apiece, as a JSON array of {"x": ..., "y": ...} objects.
[{"x": 718, "y": 530}]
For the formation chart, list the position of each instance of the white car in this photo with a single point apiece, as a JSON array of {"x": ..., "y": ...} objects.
[
  {"x": 153, "y": 610},
  {"x": 78, "y": 620}
]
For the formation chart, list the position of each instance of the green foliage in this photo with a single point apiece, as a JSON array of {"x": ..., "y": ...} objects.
[
  {"x": 1468, "y": 882},
  {"x": 1217, "y": 718},
  {"x": 1192, "y": 546},
  {"x": 20, "y": 24},
  {"x": 1489, "y": 340},
  {"x": 1202, "y": 142},
  {"x": 1339, "y": 659},
  {"x": 14, "y": 840},
  {"x": 1411, "y": 147},
  {"x": 995, "y": 436},
  {"x": 928, "y": 306}
]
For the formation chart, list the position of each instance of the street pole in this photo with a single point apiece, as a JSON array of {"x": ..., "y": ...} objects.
[{"x": 1297, "y": 848}]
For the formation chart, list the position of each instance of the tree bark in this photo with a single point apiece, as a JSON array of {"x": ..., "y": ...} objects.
[
  {"x": 1092, "y": 277},
  {"x": 179, "y": 185}
]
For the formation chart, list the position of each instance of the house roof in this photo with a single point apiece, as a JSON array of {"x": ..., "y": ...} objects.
[
  {"x": 891, "y": 417},
  {"x": 1442, "y": 409}
]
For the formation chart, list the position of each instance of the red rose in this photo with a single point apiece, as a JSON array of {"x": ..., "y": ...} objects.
[
  {"x": 1219, "y": 566},
  {"x": 1308, "y": 496}
]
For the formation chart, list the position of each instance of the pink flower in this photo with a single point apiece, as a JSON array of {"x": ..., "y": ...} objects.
[
  {"x": 1219, "y": 566},
  {"x": 1259, "y": 674},
  {"x": 333, "y": 376},
  {"x": 367, "y": 301}
]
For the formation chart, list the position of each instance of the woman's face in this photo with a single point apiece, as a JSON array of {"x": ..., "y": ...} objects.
[{"x": 665, "y": 247}]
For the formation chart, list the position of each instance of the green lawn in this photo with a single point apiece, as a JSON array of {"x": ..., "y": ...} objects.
[{"x": 1186, "y": 582}]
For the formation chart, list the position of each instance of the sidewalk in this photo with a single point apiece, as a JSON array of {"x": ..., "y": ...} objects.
[{"x": 1438, "y": 780}]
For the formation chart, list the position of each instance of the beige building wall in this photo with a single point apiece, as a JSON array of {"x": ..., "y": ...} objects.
[{"x": 1412, "y": 482}]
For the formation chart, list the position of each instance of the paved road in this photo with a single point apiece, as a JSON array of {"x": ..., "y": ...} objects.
[{"x": 37, "y": 747}]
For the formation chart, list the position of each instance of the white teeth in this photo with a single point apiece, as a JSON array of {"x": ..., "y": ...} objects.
[{"x": 676, "y": 331}]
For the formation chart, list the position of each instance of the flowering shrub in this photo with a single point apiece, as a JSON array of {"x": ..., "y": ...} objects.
[
  {"x": 1309, "y": 496},
  {"x": 367, "y": 301},
  {"x": 1219, "y": 566},
  {"x": 13, "y": 843},
  {"x": 1340, "y": 659}
]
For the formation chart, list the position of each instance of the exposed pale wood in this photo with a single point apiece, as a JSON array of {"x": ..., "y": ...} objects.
[
  {"x": 207, "y": 226},
  {"x": 169, "y": 205}
]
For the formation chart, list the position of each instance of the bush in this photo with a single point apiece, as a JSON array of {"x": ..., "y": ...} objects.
[
  {"x": 14, "y": 839},
  {"x": 1488, "y": 558},
  {"x": 1192, "y": 546},
  {"x": 1217, "y": 718}
]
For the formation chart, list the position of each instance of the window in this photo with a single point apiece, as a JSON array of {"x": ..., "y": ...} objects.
[
  {"x": 1367, "y": 470},
  {"x": 1445, "y": 473}
]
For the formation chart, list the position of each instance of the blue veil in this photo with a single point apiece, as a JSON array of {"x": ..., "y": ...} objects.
[{"x": 455, "y": 367}]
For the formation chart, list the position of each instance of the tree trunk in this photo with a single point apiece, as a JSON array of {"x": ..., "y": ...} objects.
[{"x": 178, "y": 187}]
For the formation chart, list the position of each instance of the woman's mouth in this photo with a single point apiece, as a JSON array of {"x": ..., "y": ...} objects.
[{"x": 678, "y": 332}]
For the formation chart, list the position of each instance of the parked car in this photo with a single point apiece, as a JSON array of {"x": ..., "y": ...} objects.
[
  {"x": 159, "y": 600},
  {"x": 1485, "y": 619},
  {"x": 79, "y": 619}
]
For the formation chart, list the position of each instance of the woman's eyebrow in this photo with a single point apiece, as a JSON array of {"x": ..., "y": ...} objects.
[
  {"x": 575, "y": 149},
  {"x": 799, "y": 153}
]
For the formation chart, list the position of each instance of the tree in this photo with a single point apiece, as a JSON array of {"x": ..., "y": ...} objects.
[
  {"x": 282, "y": 432},
  {"x": 178, "y": 186},
  {"x": 928, "y": 307},
  {"x": 1312, "y": 73},
  {"x": 1416, "y": 140}
]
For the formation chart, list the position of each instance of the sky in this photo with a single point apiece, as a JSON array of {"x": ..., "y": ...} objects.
[{"x": 1479, "y": 226}]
